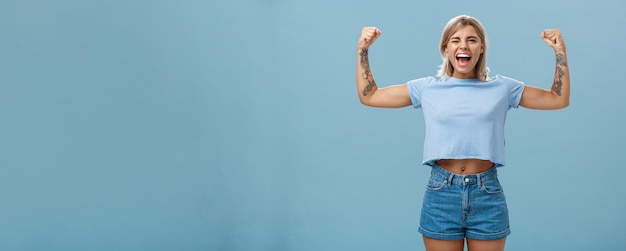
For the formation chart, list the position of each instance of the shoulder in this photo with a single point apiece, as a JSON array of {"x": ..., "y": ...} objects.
[
  {"x": 499, "y": 79},
  {"x": 417, "y": 87},
  {"x": 425, "y": 81}
]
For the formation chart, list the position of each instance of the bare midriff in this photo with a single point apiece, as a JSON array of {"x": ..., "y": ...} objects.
[{"x": 465, "y": 166}]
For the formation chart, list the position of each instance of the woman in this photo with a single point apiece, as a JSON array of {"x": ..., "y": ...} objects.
[{"x": 464, "y": 113}]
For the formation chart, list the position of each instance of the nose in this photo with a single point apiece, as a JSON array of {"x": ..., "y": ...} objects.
[{"x": 463, "y": 45}]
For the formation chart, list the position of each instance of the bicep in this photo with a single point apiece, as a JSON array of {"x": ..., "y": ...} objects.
[
  {"x": 394, "y": 96},
  {"x": 537, "y": 98}
]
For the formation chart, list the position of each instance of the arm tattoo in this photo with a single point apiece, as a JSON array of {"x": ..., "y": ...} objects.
[
  {"x": 364, "y": 59},
  {"x": 560, "y": 60},
  {"x": 556, "y": 86},
  {"x": 365, "y": 64},
  {"x": 558, "y": 75}
]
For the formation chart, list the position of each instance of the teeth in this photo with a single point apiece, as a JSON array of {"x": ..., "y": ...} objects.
[{"x": 462, "y": 56}]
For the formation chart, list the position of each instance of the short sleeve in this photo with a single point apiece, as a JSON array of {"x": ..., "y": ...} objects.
[
  {"x": 416, "y": 87},
  {"x": 515, "y": 88}
]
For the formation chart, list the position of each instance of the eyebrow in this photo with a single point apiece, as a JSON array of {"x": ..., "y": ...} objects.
[{"x": 460, "y": 37}]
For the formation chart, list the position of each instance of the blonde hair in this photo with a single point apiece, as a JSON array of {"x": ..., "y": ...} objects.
[{"x": 446, "y": 69}]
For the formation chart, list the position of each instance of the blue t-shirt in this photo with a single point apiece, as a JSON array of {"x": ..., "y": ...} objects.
[{"x": 465, "y": 117}]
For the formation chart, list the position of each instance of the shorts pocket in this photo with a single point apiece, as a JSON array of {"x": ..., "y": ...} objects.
[
  {"x": 436, "y": 184},
  {"x": 491, "y": 186}
]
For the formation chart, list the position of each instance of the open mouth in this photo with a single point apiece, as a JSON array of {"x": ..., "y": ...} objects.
[{"x": 463, "y": 59}]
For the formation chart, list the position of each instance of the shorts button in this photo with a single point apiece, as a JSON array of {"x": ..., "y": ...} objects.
[{"x": 467, "y": 179}]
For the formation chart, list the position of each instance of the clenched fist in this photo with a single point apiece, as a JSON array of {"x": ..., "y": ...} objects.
[
  {"x": 368, "y": 36},
  {"x": 553, "y": 38}
]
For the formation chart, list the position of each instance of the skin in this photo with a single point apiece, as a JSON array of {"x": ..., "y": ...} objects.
[{"x": 465, "y": 41}]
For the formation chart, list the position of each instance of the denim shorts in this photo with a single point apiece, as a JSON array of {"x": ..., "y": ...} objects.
[{"x": 464, "y": 206}]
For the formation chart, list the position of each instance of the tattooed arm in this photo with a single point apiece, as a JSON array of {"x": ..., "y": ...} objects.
[
  {"x": 558, "y": 96},
  {"x": 368, "y": 91}
]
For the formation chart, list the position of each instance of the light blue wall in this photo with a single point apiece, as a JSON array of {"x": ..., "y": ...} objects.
[{"x": 235, "y": 125}]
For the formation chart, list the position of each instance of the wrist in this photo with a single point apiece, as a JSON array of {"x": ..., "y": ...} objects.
[{"x": 560, "y": 51}]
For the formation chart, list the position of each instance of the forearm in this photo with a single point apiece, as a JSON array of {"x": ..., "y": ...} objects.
[
  {"x": 365, "y": 82},
  {"x": 561, "y": 83}
]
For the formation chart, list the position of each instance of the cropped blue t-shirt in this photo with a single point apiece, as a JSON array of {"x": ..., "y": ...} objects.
[{"x": 465, "y": 118}]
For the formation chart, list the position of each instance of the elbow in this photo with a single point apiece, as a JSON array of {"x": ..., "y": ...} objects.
[
  {"x": 560, "y": 101},
  {"x": 562, "y": 105},
  {"x": 365, "y": 101},
  {"x": 565, "y": 102}
]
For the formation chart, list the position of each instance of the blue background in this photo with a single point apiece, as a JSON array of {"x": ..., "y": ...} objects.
[{"x": 235, "y": 125}]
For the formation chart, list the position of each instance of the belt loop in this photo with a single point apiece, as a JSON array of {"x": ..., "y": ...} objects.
[
  {"x": 478, "y": 181},
  {"x": 450, "y": 179}
]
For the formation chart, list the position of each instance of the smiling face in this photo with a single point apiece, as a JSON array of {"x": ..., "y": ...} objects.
[{"x": 464, "y": 50}]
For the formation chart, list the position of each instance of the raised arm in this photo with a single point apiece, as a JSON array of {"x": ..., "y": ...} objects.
[
  {"x": 558, "y": 96},
  {"x": 369, "y": 93}
]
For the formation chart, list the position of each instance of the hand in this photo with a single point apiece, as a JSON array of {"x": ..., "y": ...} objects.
[
  {"x": 553, "y": 38},
  {"x": 368, "y": 36}
]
